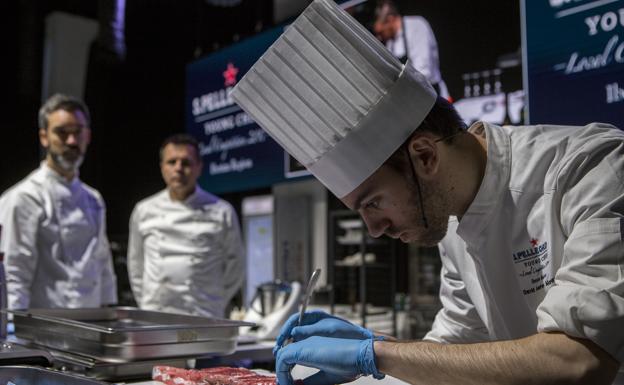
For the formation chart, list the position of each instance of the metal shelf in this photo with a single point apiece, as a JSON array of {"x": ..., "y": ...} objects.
[
  {"x": 368, "y": 265},
  {"x": 345, "y": 221}
]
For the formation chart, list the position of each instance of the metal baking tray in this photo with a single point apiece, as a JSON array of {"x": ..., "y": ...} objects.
[
  {"x": 99, "y": 370},
  {"x": 28, "y": 375},
  {"x": 121, "y": 334},
  {"x": 14, "y": 354}
]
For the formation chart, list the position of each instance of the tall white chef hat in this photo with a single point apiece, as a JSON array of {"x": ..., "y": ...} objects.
[{"x": 334, "y": 97}]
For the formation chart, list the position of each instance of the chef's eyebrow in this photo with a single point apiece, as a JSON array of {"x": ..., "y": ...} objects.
[
  {"x": 69, "y": 126},
  {"x": 364, "y": 194}
]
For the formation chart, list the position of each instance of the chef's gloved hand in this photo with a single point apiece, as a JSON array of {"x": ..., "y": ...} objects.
[
  {"x": 319, "y": 323},
  {"x": 339, "y": 360}
]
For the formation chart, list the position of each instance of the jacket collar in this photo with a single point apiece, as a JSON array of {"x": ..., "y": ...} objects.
[
  {"x": 46, "y": 172},
  {"x": 197, "y": 198},
  {"x": 494, "y": 183}
]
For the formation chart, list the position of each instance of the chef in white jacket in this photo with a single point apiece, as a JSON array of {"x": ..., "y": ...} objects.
[
  {"x": 185, "y": 253},
  {"x": 410, "y": 38},
  {"x": 54, "y": 226},
  {"x": 533, "y": 278}
]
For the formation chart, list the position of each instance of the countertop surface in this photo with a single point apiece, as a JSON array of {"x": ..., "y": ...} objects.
[{"x": 302, "y": 372}]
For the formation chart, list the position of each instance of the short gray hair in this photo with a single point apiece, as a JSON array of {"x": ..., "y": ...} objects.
[{"x": 62, "y": 102}]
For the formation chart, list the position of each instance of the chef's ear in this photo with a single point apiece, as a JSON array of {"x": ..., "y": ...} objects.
[
  {"x": 43, "y": 138},
  {"x": 424, "y": 155}
]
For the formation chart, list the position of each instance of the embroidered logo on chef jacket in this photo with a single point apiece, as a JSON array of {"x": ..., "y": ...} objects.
[{"x": 533, "y": 266}]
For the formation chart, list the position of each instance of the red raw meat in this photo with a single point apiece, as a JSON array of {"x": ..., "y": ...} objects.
[
  {"x": 210, "y": 376},
  {"x": 176, "y": 376}
]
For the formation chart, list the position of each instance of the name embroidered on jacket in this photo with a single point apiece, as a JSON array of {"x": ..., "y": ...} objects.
[
  {"x": 537, "y": 251},
  {"x": 532, "y": 265}
]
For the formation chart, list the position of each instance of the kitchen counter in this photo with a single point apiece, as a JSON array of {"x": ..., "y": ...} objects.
[
  {"x": 361, "y": 381},
  {"x": 302, "y": 372}
]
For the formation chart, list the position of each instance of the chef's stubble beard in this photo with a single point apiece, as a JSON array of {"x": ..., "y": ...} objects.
[
  {"x": 65, "y": 164},
  {"x": 435, "y": 210}
]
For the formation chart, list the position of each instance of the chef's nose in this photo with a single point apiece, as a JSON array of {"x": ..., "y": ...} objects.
[
  {"x": 72, "y": 139},
  {"x": 376, "y": 226}
]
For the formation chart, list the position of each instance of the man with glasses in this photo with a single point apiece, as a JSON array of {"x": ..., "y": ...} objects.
[{"x": 54, "y": 226}]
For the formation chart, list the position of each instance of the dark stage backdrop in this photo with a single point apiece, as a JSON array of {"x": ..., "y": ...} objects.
[
  {"x": 575, "y": 61},
  {"x": 138, "y": 100},
  {"x": 238, "y": 154}
]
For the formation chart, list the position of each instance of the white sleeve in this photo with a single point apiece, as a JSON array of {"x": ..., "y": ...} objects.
[
  {"x": 587, "y": 299},
  {"x": 109, "y": 279},
  {"x": 422, "y": 47},
  {"x": 20, "y": 219},
  {"x": 234, "y": 273},
  {"x": 458, "y": 320},
  {"x": 136, "y": 259}
]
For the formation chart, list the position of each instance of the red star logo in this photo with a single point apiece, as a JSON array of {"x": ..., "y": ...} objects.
[
  {"x": 534, "y": 242},
  {"x": 230, "y": 75}
]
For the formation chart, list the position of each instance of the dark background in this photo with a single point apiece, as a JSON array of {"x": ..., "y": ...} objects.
[{"x": 137, "y": 101}]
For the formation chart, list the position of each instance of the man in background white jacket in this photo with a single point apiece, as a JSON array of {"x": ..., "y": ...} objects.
[
  {"x": 411, "y": 40},
  {"x": 54, "y": 226},
  {"x": 185, "y": 253}
]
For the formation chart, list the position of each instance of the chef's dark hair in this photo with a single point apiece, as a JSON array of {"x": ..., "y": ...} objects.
[
  {"x": 385, "y": 8},
  {"x": 443, "y": 121},
  {"x": 62, "y": 102},
  {"x": 180, "y": 139}
]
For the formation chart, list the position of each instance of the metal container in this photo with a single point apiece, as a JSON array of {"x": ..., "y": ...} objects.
[
  {"x": 133, "y": 370},
  {"x": 122, "y": 334},
  {"x": 28, "y": 375},
  {"x": 14, "y": 354}
]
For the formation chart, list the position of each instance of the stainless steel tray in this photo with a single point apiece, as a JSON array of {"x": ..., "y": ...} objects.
[
  {"x": 126, "y": 325},
  {"x": 28, "y": 375},
  {"x": 115, "y": 353},
  {"x": 135, "y": 370},
  {"x": 15, "y": 354},
  {"x": 126, "y": 334}
]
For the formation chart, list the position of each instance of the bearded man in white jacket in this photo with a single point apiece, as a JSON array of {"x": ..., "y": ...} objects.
[
  {"x": 54, "y": 226},
  {"x": 185, "y": 253}
]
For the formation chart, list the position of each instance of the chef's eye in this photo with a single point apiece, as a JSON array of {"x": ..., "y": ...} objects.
[{"x": 374, "y": 204}]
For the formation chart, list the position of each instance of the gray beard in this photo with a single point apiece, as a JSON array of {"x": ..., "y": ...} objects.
[{"x": 66, "y": 164}]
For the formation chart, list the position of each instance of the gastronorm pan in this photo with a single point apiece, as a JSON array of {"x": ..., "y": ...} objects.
[
  {"x": 29, "y": 375},
  {"x": 120, "y": 334}
]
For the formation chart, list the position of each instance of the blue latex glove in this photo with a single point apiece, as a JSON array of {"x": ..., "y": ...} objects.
[
  {"x": 319, "y": 323},
  {"x": 339, "y": 360}
]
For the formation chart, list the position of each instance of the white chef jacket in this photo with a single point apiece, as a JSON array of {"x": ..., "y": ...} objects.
[
  {"x": 422, "y": 47},
  {"x": 185, "y": 257},
  {"x": 54, "y": 239},
  {"x": 541, "y": 246}
]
